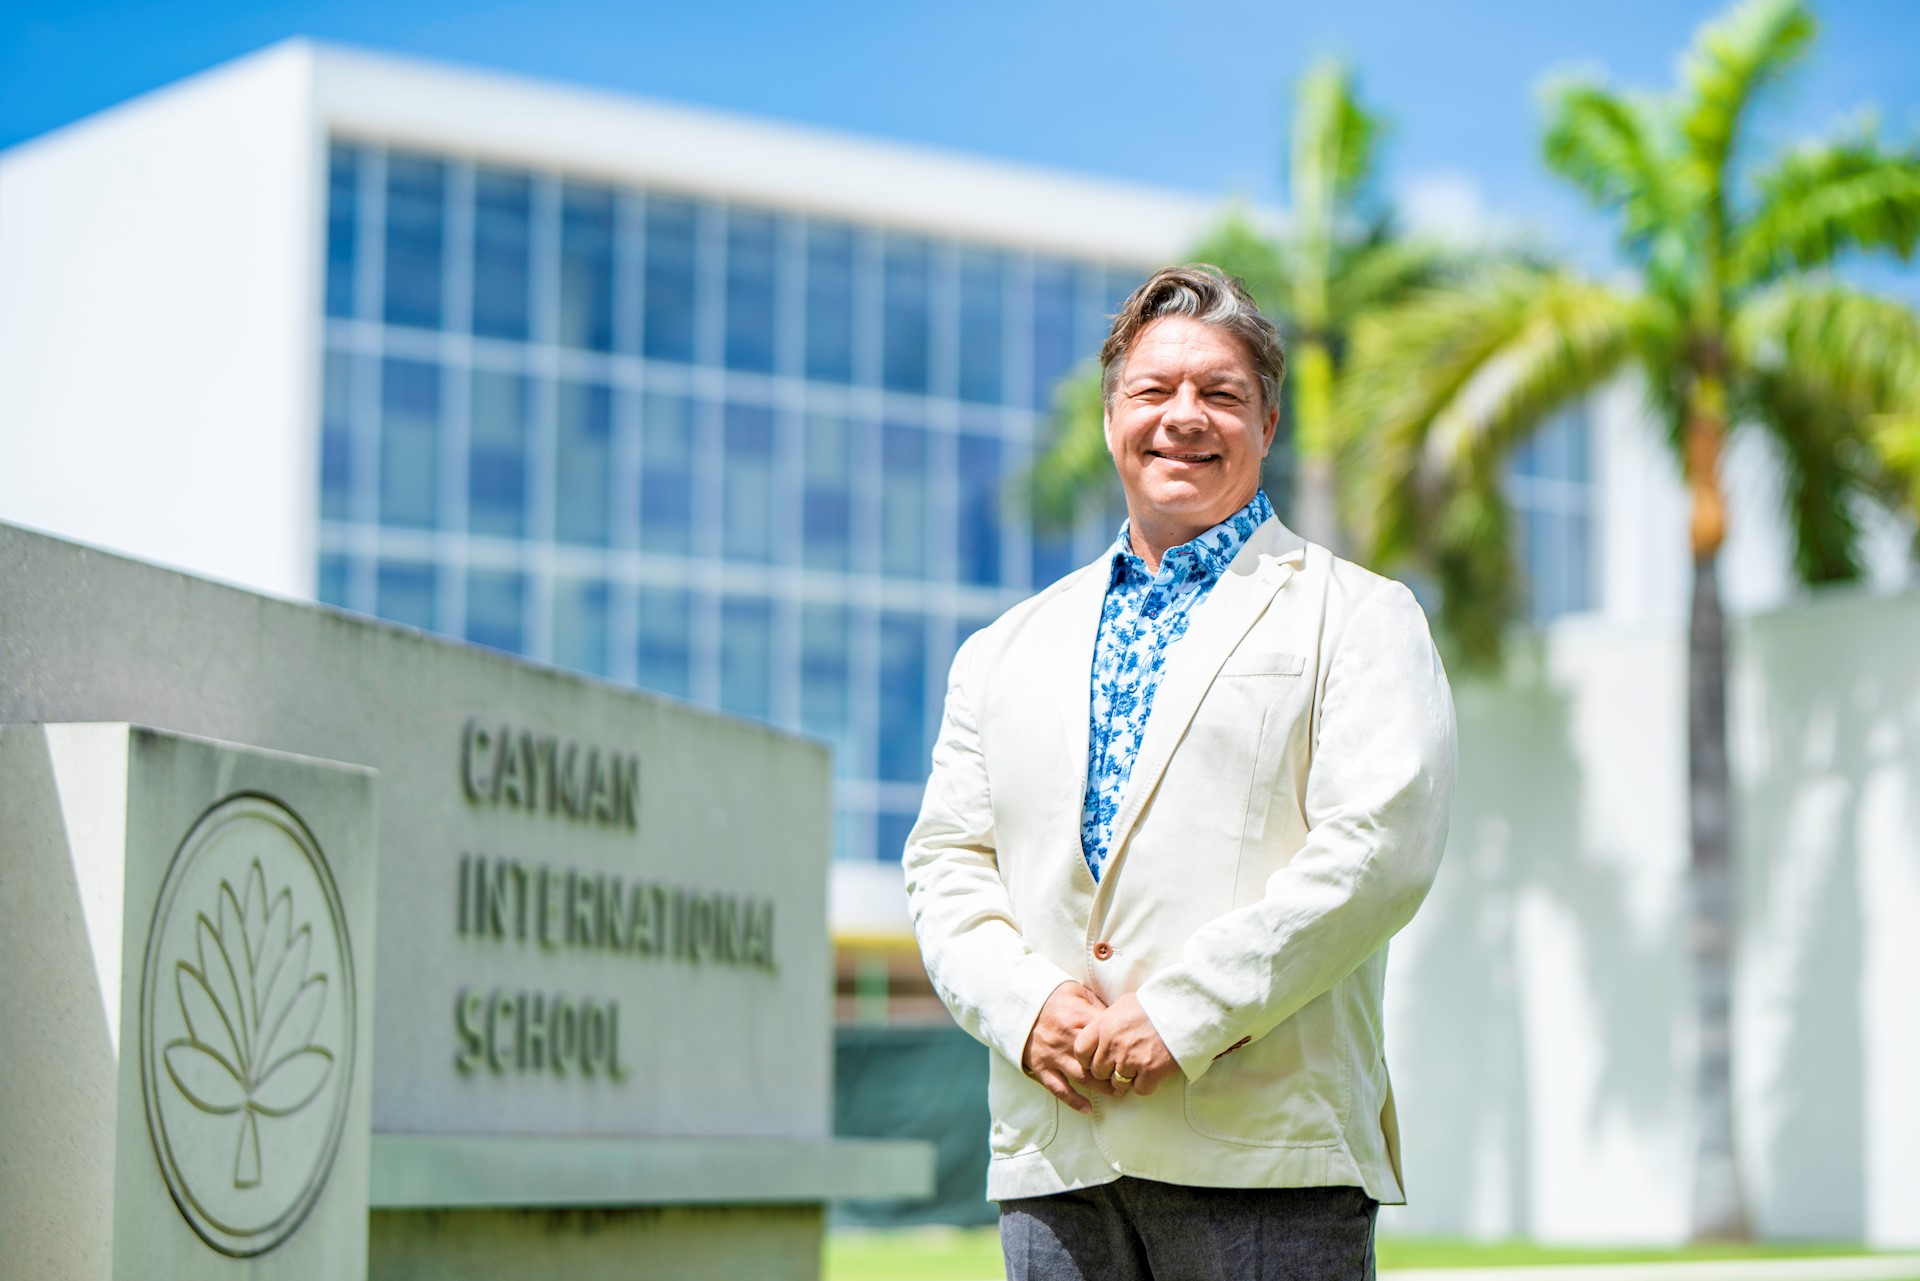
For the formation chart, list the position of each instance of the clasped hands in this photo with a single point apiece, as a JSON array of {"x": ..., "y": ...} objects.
[{"x": 1080, "y": 1045}]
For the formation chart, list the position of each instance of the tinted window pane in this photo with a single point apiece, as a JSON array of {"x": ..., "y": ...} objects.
[
  {"x": 749, "y": 514},
  {"x": 416, "y": 216},
  {"x": 1053, "y": 351},
  {"x": 890, "y": 829},
  {"x": 666, "y": 629},
  {"x": 903, "y": 751},
  {"x": 409, "y": 443},
  {"x": 827, "y": 493},
  {"x": 666, "y": 473},
  {"x": 751, "y": 257},
  {"x": 1053, "y": 557},
  {"x": 903, "y": 500},
  {"x": 670, "y": 275},
  {"x": 404, "y": 593},
  {"x": 746, "y": 655},
  {"x": 982, "y": 339},
  {"x": 336, "y": 437},
  {"x": 496, "y": 608},
  {"x": 343, "y": 241},
  {"x": 334, "y": 581},
  {"x": 497, "y": 455},
  {"x": 824, "y": 642},
  {"x": 830, "y": 304},
  {"x": 584, "y": 469},
  {"x": 905, "y": 307},
  {"x": 979, "y": 533},
  {"x": 580, "y": 625},
  {"x": 502, "y": 245},
  {"x": 586, "y": 268}
]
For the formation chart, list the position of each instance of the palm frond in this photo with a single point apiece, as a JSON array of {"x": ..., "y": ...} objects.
[
  {"x": 1379, "y": 273},
  {"x": 1732, "y": 58},
  {"x": 1821, "y": 200},
  {"x": 1896, "y": 437},
  {"x": 1238, "y": 247},
  {"x": 1334, "y": 139},
  {"x": 1075, "y": 463},
  {"x": 1821, "y": 488},
  {"x": 1855, "y": 353},
  {"x": 1613, "y": 148}
]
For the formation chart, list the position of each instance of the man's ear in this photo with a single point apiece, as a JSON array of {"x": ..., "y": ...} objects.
[
  {"x": 1106, "y": 426},
  {"x": 1273, "y": 426}
]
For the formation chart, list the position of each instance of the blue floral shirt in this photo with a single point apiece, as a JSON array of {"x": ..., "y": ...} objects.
[{"x": 1143, "y": 617}]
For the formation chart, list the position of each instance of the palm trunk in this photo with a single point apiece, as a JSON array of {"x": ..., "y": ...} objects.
[
  {"x": 1719, "y": 1206},
  {"x": 1316, "y": 510}
]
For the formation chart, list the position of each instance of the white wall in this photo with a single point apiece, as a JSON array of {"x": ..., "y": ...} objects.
[
  {"x": 159, "y": 275},
  {"x": 1540, "y": 1018}
]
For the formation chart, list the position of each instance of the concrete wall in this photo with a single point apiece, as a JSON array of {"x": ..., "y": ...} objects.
[
  {"x": 159, "y": 304},
  {"x": 1539, "y": 1007}
]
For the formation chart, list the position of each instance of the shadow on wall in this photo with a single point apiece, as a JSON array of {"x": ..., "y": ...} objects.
[
  {"x": 1830, "y": 710},
  {"x": 1532, "y": 1006}
]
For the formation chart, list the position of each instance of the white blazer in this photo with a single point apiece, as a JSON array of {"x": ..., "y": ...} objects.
[{"x": 1284, "y": 818}]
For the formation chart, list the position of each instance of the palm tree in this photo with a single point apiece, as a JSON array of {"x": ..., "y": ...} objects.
[
  {"x": 1736, "y": 323},
  {"x": 1334, "y": 265}
]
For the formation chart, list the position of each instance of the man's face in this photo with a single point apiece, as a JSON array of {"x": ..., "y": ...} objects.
[{"x": 1187, "y": 429}]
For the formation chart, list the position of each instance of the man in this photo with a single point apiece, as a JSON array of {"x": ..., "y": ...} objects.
[{"x": 1180, "y": 800}]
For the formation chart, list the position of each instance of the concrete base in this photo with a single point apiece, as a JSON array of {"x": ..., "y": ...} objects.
[{"x": 768, "y": 1243}]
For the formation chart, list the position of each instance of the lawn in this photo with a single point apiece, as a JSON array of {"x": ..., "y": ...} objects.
[{"x": 933, "y": 1254}]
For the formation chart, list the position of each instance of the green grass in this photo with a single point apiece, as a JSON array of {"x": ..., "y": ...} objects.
[{"x": 973, "y": 1254}]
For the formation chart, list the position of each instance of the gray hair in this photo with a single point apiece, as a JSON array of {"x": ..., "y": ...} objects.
[{"x": 1206, "y": 294}]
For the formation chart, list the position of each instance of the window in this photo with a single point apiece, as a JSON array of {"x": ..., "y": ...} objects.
[
  {"x": 671, "y": 274},
  {"x": 496, "y": 607},
  {"x": 666, "y": 648},
  {"x": 982, "y": 337},
  {"x": 1053, "y": 349},
  {"x": 502, "y": 244},
  {"x": 979, "y": 532},
  {"x": 1550, "y": 484},
  {"x": 749, "y": 519},
  {"x": 409, "y": 443},
  {"x": 830, "y": 304},
  {"x": 903, "y": 500},
  {"x": 826, "y": 517},
  {"x": 752, "y": 256},
  {"x": 335, "y": 581},
  {"x": 583, "y": 471},
  {"x": 667, "y": 437},
  {"x": 903, "y": 750},
  {"x": 580, "y": 625},
  {"x": 905, "y": 316},
  {"x": 746, "y": 656},
  {"x": 343, "y": 240},
  {"x": 824, "y": 651},
  {"x": 336, "y": 437},
  {"x": 497, "y": 455},
  {"x": 416, "y": 217},
  {"x": 586, "y": 268},
  {"x": 404, "y": 592}
]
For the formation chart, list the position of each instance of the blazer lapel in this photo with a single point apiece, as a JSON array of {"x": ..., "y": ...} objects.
[
  {"x": 1063, "y": 661},
  {"x": 1262, "y": 567}
]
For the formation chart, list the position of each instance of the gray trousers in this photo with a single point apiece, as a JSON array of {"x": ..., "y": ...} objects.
[{"x": 1138, "y": 1230}]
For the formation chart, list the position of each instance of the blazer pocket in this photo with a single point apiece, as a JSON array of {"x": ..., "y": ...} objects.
[
  {"x": 1025, "y": 1115},
  {"x": 1263, "y": 662}
]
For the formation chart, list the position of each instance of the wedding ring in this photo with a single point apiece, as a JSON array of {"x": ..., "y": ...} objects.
[{"x": 1122, "y": 1080}]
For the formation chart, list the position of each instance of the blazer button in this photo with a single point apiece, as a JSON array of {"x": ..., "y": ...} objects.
[{"x": 1102, "y": 950}]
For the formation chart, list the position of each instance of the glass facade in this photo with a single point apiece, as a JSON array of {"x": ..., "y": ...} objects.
[{"x": 754, "y": 459}]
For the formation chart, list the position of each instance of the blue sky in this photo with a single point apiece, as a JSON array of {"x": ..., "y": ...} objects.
[{"x": 1192, "y": 96}]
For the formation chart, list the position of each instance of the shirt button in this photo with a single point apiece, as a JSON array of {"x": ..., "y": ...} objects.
[{"x": 1102, "y": 950}]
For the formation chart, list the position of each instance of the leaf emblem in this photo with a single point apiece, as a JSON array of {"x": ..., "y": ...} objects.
[{"x": 252, "y": 1010}]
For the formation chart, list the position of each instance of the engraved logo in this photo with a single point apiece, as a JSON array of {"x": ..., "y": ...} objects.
[{"x": 247, "y": 1025}]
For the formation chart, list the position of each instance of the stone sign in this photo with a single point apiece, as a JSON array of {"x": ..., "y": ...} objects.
[{"x": 219, "y": 1127}]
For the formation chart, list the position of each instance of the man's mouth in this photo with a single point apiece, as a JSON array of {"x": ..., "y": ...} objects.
[{"x": 1182, "y": 457}]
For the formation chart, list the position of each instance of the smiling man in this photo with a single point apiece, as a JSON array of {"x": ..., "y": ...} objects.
[{"x": 1180, "y": 801}]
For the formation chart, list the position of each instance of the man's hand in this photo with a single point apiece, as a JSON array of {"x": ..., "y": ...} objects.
[
  {"x": 1049, "y": 1058},
  {"x": 1122, "y": 1051}
]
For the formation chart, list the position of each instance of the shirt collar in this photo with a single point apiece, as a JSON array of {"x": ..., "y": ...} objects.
[{"x": 1201, "y": 559}]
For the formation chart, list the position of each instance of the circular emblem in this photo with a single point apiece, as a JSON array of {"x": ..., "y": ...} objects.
[{"x": 246, "y": 1025}]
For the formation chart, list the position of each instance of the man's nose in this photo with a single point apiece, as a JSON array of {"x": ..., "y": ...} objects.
[{"x": 1183, "y": 408}]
